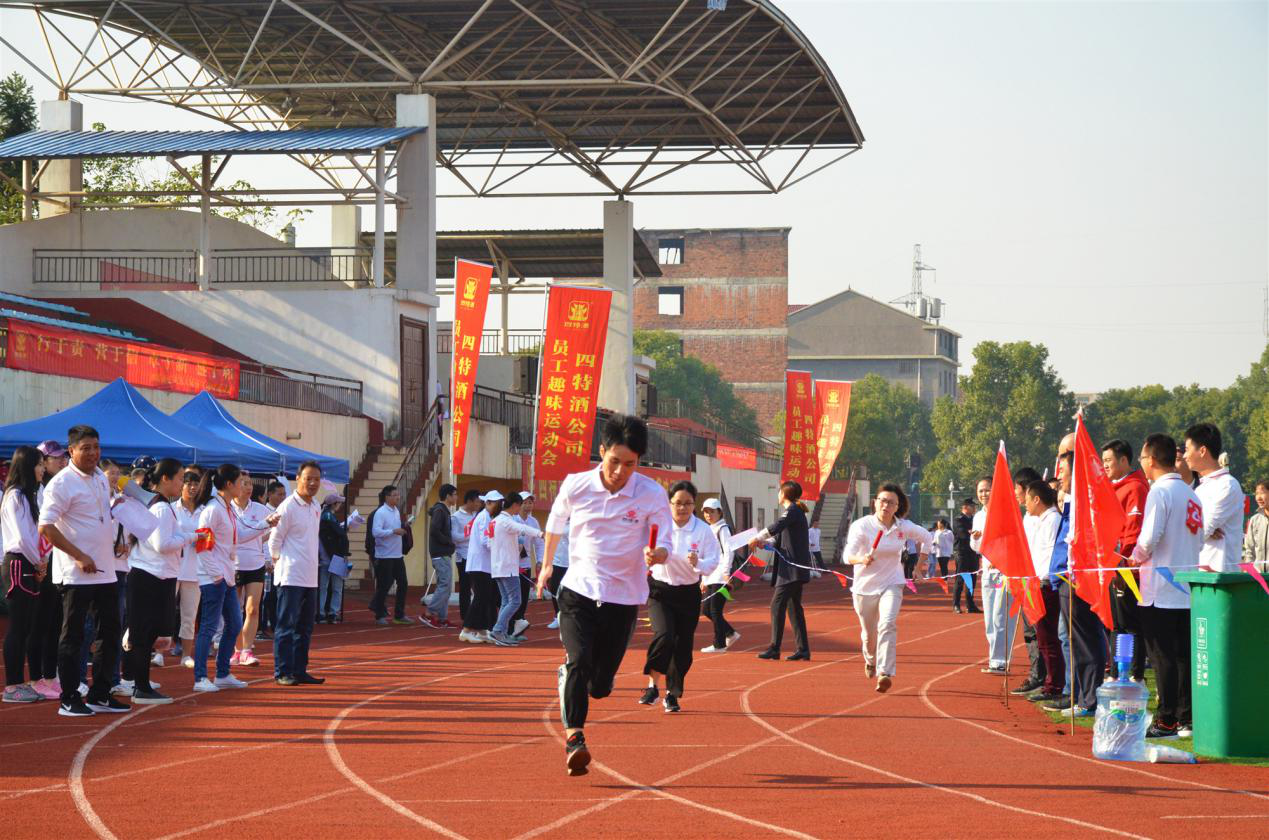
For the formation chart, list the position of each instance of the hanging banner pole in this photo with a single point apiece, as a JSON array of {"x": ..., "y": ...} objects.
[{"x": 471, "y": 298}]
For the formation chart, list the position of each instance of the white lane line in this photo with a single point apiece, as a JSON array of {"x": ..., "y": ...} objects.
[{"x": 1215, "y": 817}]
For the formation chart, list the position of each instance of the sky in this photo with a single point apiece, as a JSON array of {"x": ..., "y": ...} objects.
[{"x": 1090, "y": 176}]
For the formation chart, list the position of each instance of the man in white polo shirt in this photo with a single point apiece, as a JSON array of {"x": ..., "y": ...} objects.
[
  {"x": 1221, "y": 496},
  {"x": 608, "y": 514},
  {"x": 75, "y": 518},
  {"x": 293, "y": 547}
]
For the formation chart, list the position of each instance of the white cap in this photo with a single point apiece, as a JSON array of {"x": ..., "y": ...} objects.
[
  {"x": 492, "y": 496},
  {"x": 712, "y": 504}
]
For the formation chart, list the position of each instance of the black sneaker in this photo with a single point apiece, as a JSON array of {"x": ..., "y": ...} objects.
[
  {"x": 1162, "y": 731},
  {"x": 649, "y": 696},
  {"x": 1042, "y": 697},
  {"x": 671, "y": 703},
  {"x": 576, "y": 756},
  {"x": 75, "y": 708},
  {"x": 109, "y": 706},
  {"x": 308, "y": 679},
  {"x": 151, "y": 697},
  {"x": 769, "y": 654},
  {"x": 1026, "y": 688}
]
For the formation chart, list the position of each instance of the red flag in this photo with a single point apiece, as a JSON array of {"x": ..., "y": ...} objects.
[
  {"x": 832, "y": 408},
  {"x": 1004, "y": 540},
  {"x": 471, "y": 297},
  {"x": 1027, "y": 596},
  {"x": 801, "y": 455},
  {"x": 1097, "y": 520}
]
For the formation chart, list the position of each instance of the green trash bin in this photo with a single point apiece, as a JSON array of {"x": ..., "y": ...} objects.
[{"x": 1229, "y": 650}]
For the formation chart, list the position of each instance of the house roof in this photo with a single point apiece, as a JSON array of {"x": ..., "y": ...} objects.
[{"x": 43, "y": 145}]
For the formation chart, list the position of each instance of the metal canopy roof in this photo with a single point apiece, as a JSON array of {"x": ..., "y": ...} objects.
[
  {"x": 528, "y": 253},
  {"x": 42, "y": 145},
  {"x": 627, "y": 93}
]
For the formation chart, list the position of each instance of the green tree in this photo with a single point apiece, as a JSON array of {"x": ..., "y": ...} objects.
[
  {"x": 1012, "y": 394},
  {"x": 17, "y": 116},
  {"x": 701, "y": 392},
  {"x": 887, "y": 433}
]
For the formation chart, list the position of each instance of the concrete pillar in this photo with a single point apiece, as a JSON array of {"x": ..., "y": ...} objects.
[
  {"x": 345, "y": 233},
  {"x": 61, "y": 175},
  {"x": 617, "y": 383},
  {"x": 416, "y": 183}
]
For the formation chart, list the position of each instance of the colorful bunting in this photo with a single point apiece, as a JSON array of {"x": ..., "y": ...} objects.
[
  {"x": 1166, "y": 574},
  {"x": 1250, "y": 569},
  {"x": 910, "y": 583},
  {"x": 755, "y": 560},
  {"x": 1131, "y": 580},
  {"x": 739, "y": 575},
  {"x": 969, "y": 581},
  {"x": 943, "y": 583},
  {"x": 722, "y": 590}
]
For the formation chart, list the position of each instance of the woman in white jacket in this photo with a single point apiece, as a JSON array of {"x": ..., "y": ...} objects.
[
  {"x": 188, "y": 510},
  {"x": 250, "y": 565},
  {"x": 156, "y": 564},
  {"x": 724, "y": 634},
  {"x": 504, "y": 562}
]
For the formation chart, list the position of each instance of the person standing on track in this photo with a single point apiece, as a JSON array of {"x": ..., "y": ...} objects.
[
  {"x": 441, "y": 549},
  {"x": 875, "y": 546},
  {"x": 943, "y": 541},
  {"x": 24, "y": 569},
  {"x": 389, "y": 536},
  {"x": 508, "y": 529},
  {"x": 250, "y": 564},
  {"x": 966, "y": 557},
  {"x": 724, "y": 634},
  {"x": 790, "y": 573},
  {"x": 532, "y": 549},
  {"x": 188, "y": 593},
  {"x": 458, "y": 522},
  {"x": 294, "y": 548},
  {"x": 674, "y": 598},
  {"x": 484, "y": 601},
  {"x": 612, "y": 514},
  {"x": 997, "y": 622}
]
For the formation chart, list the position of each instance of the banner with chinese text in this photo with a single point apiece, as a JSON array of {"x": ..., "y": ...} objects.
[
  {"x": 44, "y": 349},
  {"x": 735, "y": 457},
  {"x": 801, "y": 456},
  {"x": 471, "y": 297},
  {"x": 832, "y": 408},
  {"x": 572, "y": 358}
]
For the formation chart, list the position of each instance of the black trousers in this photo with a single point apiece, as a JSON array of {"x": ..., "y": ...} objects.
[
  {"x": 713, "y": 608},
  {"x": 77, "y": 600},
  {"x": 1032, "y": 640},
  {"x": 1167, "y": 637},
  {"x": 595, "y": 638},
  {"x": 675, "y": 611},
  {"x": 389, "y": 570},
  {"x": 150, "y": 602},
  {"x": 524, "y": 601},
  {"x": 464, "y": 586},
  {"x": 958, "y": 585},
  {"x": 22, "y": 593},
  {"x": 557, "y": 576},
  {"x": 1125, "y": 613},
  {"x": 943, "y": 563},
  {"x": 269, "y": 605},
  {"x": 1088, "y": 646},
  {"x": 483, "y": 611},
  {"x": 909, "y": 563},
  {"x": 787, "y": 598},
  {"x": 42, "y": 647}
]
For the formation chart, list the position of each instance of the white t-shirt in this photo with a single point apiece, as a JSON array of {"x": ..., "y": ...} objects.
[
  {"x": 1041, "y": 538},
  {"x": 387, "y": 520},
  {"x": 1222, "y": 499},
  {"x": 188, "y": 521},
  {"x": 694, "y": 536},
  {"x": 1172, "y": 536},
  {"x": 79, "y": 505},
  {"x": 478, "y": 543},
  {"x": 812, "y": 540},
  {"x": 886, "y": 568},
  {"x": 252, "y": 532},
  {"x": 944, "y": 540},
  {"x": 458, "y": 522}
]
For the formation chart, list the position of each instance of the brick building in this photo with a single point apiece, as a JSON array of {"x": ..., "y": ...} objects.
[{"x": 725, "y": 293}]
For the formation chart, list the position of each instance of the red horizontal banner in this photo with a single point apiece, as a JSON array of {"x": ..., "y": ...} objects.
[
  {"x": 44, "y": 349},
  {"x": 737, "y": 457}
]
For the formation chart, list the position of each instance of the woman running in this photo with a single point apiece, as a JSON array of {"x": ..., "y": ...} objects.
[
  {"x": 875, "y": 545},
  {"x": 674, "y": 598},
  {"x": 24, "y": 570}
]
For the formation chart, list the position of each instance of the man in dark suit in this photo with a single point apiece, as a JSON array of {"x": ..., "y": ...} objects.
[
  {"x": 966, "y": 557},
  {"x": 788, "y": 578}
]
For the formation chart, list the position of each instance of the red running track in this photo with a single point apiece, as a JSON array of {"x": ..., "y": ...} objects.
[{"x": 416, "y": 735}]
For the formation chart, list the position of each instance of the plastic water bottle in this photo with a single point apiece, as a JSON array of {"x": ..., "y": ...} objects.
[{"x": 1119, "y": 730}]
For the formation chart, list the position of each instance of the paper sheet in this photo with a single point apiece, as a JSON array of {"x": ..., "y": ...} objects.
[
  {"x": 740, "y": 540},
  {"x": 339, "y": 566},
  {"x": 134, "y": 518}
]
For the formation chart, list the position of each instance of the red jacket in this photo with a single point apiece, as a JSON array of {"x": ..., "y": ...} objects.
[{"x": 1131, "y": 490}]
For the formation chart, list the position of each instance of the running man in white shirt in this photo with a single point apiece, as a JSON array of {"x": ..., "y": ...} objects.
[
  {"x": 1222, "y": 498},
  {"x": 674, "y": 598},
  {"x": 610, "y": 513}
]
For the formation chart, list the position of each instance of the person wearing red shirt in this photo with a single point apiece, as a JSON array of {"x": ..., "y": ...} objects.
[{"x": 1131, "y": 488}]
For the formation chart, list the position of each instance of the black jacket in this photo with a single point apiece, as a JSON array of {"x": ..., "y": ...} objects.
[
  {"x": 961, "y": 529},
  {"x": 792, "y": 538},
  {"x": 440, "y": 540}
]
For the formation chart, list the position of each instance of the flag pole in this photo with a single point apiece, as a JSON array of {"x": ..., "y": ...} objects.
[
  {"x": 537, "y": 397},
  {"x": 1008, "y": 644},
  {"x": 1070, "y": 636}
]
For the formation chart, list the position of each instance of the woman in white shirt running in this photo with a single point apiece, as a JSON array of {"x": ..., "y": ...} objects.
[
  {"x": 674, "y": 598},
  {"x": 875, "y": 545},
  {"x": 251, "y": 564}
]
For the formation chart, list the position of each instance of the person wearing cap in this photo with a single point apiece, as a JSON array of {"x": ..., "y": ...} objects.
[
  {"x": 484, "y": 603},
  {"x": 618, "y": 524},
  {"x": 55, "y": 460},
  {"x": 441, "y": 548},
  {"x": 724, "y": 634},
  {"x": 332, "y": 539},
  {"x": 966, "y": 557},
  {"x": 504, "y": 563}
]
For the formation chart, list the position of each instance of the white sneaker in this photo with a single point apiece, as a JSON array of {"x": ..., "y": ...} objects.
[
  {"x": 464, "y": 636},
  {"x": 123, "y": 689},
  {"x": 732, "y": 639},
  {"x": 555, "y": 624},
  {"x": 229, "y": 681},
  {"x": 1185, "y": 731},
  {"x": 188, "y": 662},
  {"x": 520, "y": 627},
  {"x": 713, "y": 649},
  {"x": 484, "y": 637},
  {"x": 157, "y": 661},
  {"x": 206, "y": 685}
]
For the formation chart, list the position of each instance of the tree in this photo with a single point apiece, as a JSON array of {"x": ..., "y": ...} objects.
[
  {"x": 1012, "y": 394},
  {"x": 698, "y": 387},
  {"x": 887, "y": 433},
  {"x": 17, "y": 116}
]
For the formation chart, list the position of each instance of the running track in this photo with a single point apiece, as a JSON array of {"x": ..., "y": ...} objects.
[{"x": 416, "y": 735}]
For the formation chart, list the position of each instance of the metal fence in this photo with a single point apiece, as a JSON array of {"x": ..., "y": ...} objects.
[
  {"x": 420, "y": 457},
  {"x": 297, "y": 389},
  {"x": 236, "y": 266},
  {"x": 519, "y": 341},
  {"x": 114, "y": 267},
  {"x": 515, "y": 411}
]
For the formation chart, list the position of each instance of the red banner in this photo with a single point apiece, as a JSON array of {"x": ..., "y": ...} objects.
[
  {"x": 572, "y": 358},
  {"x": 44, "y": 349},
  {"x": 471, "y": 297},
  {"x": 832, "y": 408},
  {"x": 737, "y": 457},
  {"x": 801, "y": 456}
]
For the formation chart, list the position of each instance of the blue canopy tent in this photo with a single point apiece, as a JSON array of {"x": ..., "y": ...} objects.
[
  {"x": 130, "y": 426},
  {"x": 206, "y": 412}
]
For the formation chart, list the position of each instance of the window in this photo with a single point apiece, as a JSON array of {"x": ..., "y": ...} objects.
[
  {"x": 670, "y": 300},
  {"x": 907, "y": 366},
  {"x": 744, "y": 514},
  {"x": 670, "y": 251},
  {"x": 762, "y": 518}
]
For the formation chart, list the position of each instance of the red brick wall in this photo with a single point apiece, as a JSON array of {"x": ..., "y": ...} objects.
[
  {"x": 741, "y": 358},
  {"x": 715, "y": 307},
  {"x": 726, "y": 253}
]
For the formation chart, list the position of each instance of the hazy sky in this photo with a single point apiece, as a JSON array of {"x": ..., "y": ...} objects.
[{"x": 1092, "y": 176}]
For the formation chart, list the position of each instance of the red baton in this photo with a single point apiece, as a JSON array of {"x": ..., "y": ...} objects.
[
  {"x": 877, "y": 541},
  {"x": 652, "y": 537}
]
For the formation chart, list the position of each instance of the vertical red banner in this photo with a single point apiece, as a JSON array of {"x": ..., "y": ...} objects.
[
  {"x": 832, "y": 409},
  {"x": 471, "y": 298},
  {"x": 572, "y": 359},
  {"x": 801, "y": 456}
]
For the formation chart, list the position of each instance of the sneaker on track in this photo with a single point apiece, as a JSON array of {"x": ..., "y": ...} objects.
[
  {"x": 883, "y": 684},
  {"x": 229, "y": 681},
  {"x": 403, "y": 622},
  {"x": 188, "y": 662},
  {"x": 520, "y": 627},
  {"x": 21, "y": 694},
  {"x": 713, "y": 649},
  {"x": 576, "y": 756},
  {"x": 123, "y": 689},
  {"x": 48, "y": 689},
  {"x": 671, "y": 703},
  {"x": 75, "y": 708},
  {"x": 157, "y": 660},
  {"x": 555, "y": 624},
  {"x": 248, "y": 658},
  {"x": 108, "y": 706},
  {"x": 733, "y": 638},
  {"x": 149, "y": 698},
  {"x": 649, "y": 696},
  {"x": 503, "y": 640},
  {"x": 205, "y": 685}
]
